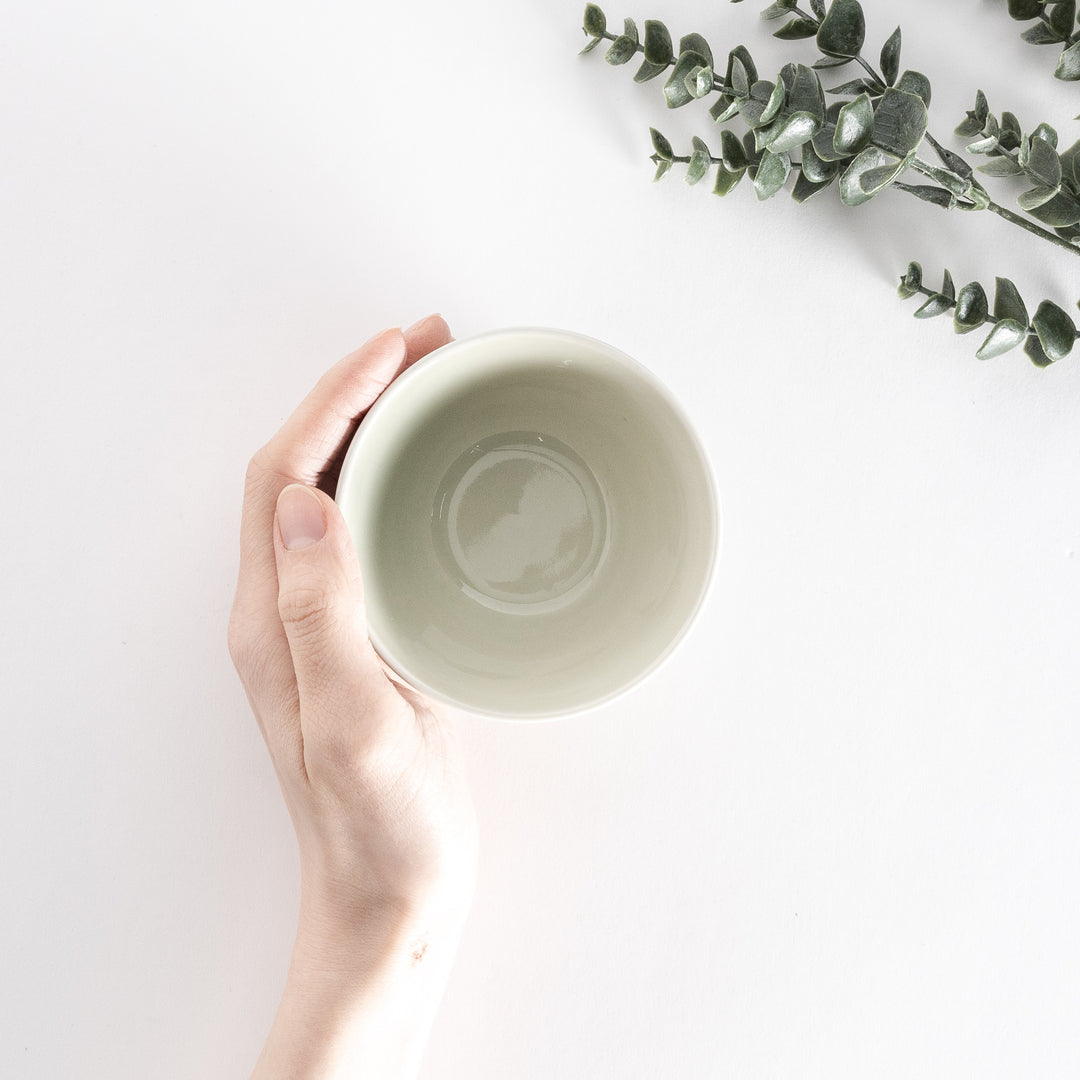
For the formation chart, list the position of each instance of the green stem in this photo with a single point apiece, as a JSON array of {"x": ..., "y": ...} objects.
[
  {"x": 1003, "y": 212},
  {"x": 1032, "y": 228}
]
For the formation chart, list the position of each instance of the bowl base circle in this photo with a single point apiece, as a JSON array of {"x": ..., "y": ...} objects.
[{"x": 520, "y": 523}]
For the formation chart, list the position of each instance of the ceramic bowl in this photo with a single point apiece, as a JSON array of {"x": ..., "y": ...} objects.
[{"x": 535, "y": 520}]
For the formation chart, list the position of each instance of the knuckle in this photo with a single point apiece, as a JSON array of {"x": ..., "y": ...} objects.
[{"x": 305, "y": 609}]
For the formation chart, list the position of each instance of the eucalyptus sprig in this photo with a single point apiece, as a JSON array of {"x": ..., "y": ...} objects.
[
  {"x": 1054, "y": 197},
  {"x": 864, "y": 141},
  {"x": 1057, "y": 25},
  {"x": 1048, "y": 336}
]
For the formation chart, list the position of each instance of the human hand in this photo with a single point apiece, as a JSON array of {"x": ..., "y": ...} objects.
[{"x": 369, "y": 768}]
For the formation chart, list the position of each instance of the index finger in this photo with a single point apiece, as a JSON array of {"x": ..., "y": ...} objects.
[{"x": 310, "y": 437}]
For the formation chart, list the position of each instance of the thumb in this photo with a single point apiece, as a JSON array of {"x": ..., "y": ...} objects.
[{"x": 321, "y": 605}]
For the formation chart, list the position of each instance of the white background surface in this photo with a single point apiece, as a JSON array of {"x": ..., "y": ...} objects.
[{"x": 835, "y": 837}]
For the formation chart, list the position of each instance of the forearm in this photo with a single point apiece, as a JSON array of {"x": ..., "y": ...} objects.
[{"x": 360, "y": 1003}]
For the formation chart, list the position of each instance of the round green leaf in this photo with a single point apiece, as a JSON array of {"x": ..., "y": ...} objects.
[
  {"x": 700, "y": 160},
  {"x": 1008, "y": 303},
  {"x": 658, "y": 48},
  {"x": 1043, "y": 164},
  {"x": 696, "y": 43},
  {"x": 934, "y": 306},
  {"x": 595, "y": 20},
  {"x": 972, "y": 307},
  {"x": 1026, "y": 9},
  {"x": 1055, "y": 330},
  {"x": 911, "y": 282},
  {"x": 788, "y": 132},
  {"x": 726, "y": 179},
  {"x": 854, "y": 126},
  {"x": 796, "y": 29},
  {"x": 649, "y": 71},
  {"x": 731, "y": 150},
  {"x": 805, "y": 188},
  {"x": 622, "y": 49},
  {"x": 675, "y": 92},
  {"x": 1061, "y": 212},
  {"x": 915, "y": 82},
  {"x": 899, "y": 122},
  {"x": 1006, "y": 335},
  {"x": 663, "y": 166},
  {"x": 843, "y": 29},
  {"x": 851, "y": 190},
  {"x": 772, "y": 174},
  {"x": 814, "y": 168},
  {"x": 871, "y": 181},
  {"x": 948, "y": 289}
]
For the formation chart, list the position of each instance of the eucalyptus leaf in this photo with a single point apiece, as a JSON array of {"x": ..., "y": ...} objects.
[
  {"x": 796, "y": 29},
  {"x": 595, "y": 21},
  {"x": 663, "y": 167},
  {"x": 806, "y": 94},
  {"x": 814, "y": 168},
  {"x": 749, "y": 68},
  {"x": 772, "y": 174},
  {"x": 851, "y": 190},
  {"x": 971, "y": 308},
  {"x": 899, "y": 122},
  {"x": 778, "y": 10},
  {"x": 874, "y": 180},
  {"x": 857, "y": 86},
  {"x": 824, "y": 62},
  {"x": 661, "y": 145},
  {"x": 675, "y": 92},
  {"x": 1035, "y": 352},
  {"x": 658, "y": 47},
  {"x": 934, "y": 306},
  {"x": 1008, "y": 303},
  {"x": 699, "y": 82},
  {"x": 890, "y": 57},
  {"x": 843, "y": 30},
  {"x": 649, "y": 70},
  {"x": 948, "y": 289},
  {"x": 726, "y": 179},
  {"x": 1062, "y": 17},
  {"x": 1044, "y": 165},
  {"x": 789, "y": 131},
  {"x": 774, "y": 104},
  {"x": 983, "y": 146},
  {"x": 854, "y": 126},
  {"x": 1001, "y": 166},
  {"x": 1041, "y": 34},
  {"x": 806, "y": 188},
  {"x": 1006, "y": 335},
  {"x": 1045, "y": 131},
  {"x": 700, "y": 160},
  {"x": 724, "y": 108},
  {"x": 1035, "y": 197},
  {"x": 911, "y": 282},
  {"x": 731, "y": 150},
  {"x": 1026, "y": 9},
  {"x": 1068, "y": 65},
  {"x": 622, "y": 50},
  {"x": 696, "y": 43},
  {"x": 1060, "y": 212},
  {"x": 915, "y": 82},
  {"x": 818, "y": 8},
  {"x": 593, "y": 42},
  {"x": 1055, "y": 330}
]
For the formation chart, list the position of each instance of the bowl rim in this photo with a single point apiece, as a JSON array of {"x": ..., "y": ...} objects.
[{"x": 438, "y": 356}]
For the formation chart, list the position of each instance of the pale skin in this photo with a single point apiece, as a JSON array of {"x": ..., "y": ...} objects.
[{"x": 370, "y": 769}]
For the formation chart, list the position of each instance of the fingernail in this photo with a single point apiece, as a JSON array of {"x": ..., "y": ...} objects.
[
  {"x": 300, "y": 517},
  {"x": 422, "y": 322}
]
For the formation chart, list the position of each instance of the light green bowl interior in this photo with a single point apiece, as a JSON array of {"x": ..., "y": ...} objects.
[{"x": 535, "y": 522}]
